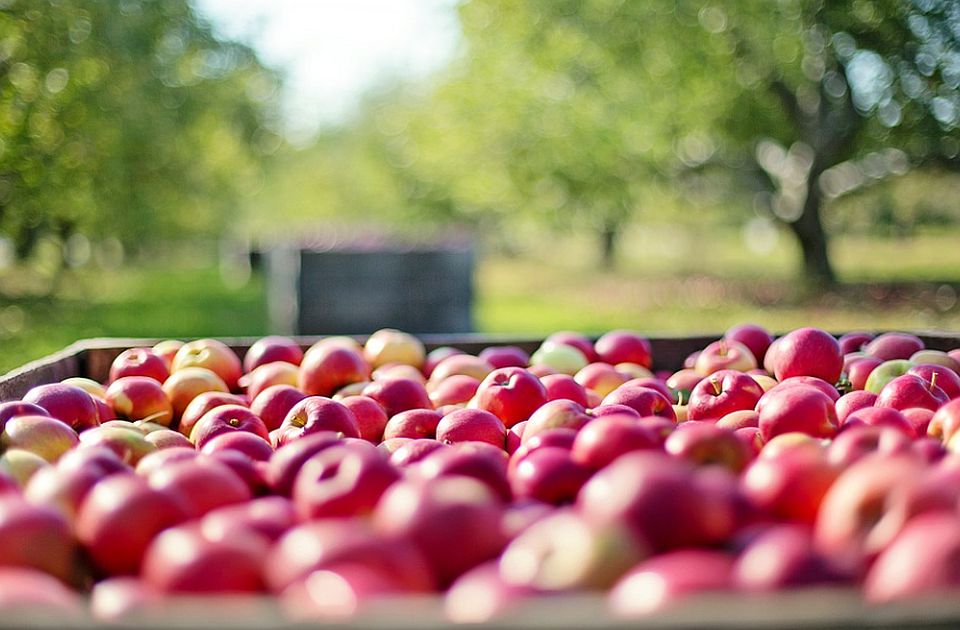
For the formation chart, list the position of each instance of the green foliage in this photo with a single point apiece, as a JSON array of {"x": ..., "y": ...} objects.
[{"x": 124, "y": 118}]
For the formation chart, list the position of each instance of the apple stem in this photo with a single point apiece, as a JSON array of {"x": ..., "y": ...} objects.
[
  {"x": 933, "y": 381},
  {"x": 716, "y": 386},
  {"x": 722, "y": 347}
]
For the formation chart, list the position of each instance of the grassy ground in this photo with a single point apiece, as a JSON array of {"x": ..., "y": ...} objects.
[{"x": 669, "y": 282}]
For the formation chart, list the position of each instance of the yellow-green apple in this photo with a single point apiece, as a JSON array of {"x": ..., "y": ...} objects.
[
  {"x": 854, "y": 341},
  {"x": 505, "y": 356},
  {"x": 371, "y": 418},
  {"x": 186, "y": 384},
  {"x": 393, "y": 346},
  {"x": 722, "y": 392},
  {"x": 342, "y": 481},
  {"x": 16, "y": 408},
  {"x": 724, "y": 355},
  {"x": 139, "y": 362},
  {"x": 213, "y": 355},
  {"x": 35, "y": 537},
  {"x": 607, "y": 437},
  {"x": 92, "y": 387},
  {"x": 852, "y": 401},
  {"x": 226, "y": 419},
  {"x": 564, "y": 552},
  {"x": 327, "y": 368},
  {"x": 269, "y": 349},
  {"x": 857, "y": 442},
  {"x": 808, "y": 352},
  {"x": 800, "y": 408},
  {"x": 600, "y": 377},
  {"x": 438, "y": 516},
  {"x": 21, "y": 465},
  {"x": 756, "y": 338},
  {"x": 561, "y": 358},
  {"x": 124, "y": 503},
  {"x": 512, "y": 394},
  {"x": 879, "y": 417},
  {"x": 396, "y": 395},
  {"x": 643, "y": 400},
  {"x": 664, "y": 581},
  {"x": 47, "y": 437},
  {"x": 471, "y": 425},
  {"x": 465, "y": 364},
  {"x": 202, "y": 404},
  {"x": 167, "y": 349},
  {"x": 129, "y": 443},
  {"x": 576, "y": 340},
  {"x": 945, "y": 379},
  {"x": 66, "y": 403},
  {"x": 274, "y": 403},
  {"x": 894, "y": 345},
  {"x": 182, "y": 560},
  {"x": 453, "y": 390},
  {"x": 268, "y": 374},
  {"x": 555, "y": 414},
  {"x": 624, "y": 346},
  {"x": 413, "y": 423},
  {"x": 911, "y": 390},
  {"x": 548, "y": 474},
  {"x": 139, "y": 398},
  {"x": 703, "y": 444}
]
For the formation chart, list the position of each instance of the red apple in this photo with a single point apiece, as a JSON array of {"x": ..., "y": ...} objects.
[
  {"x": 879, "y": 417},
  {"x": 600, "y": 377},
  {"x": 575, "y": 340},
  {"x": 859, "y": 370},
  {"x": 66, "y": 403},
  {"x": 338, "y": 591},
  {"x": 167, "y": 349},
  {"x": 512, "y": 394},
  {"x": 201, "y": 484},
  {"x": 435, "y": 356},
  {"x": 287, "y": 460},
  {"x": 624, "y": 346},
  {"x": 919, "y": 418},
  {"x": 393, "y": 346},
  {"x": 186, "y": 384},
  {"x": 203, "y": 403},
  {"x": 371, "y": 418},
  {"x": 121, "y": 598},
  {"x": 705, "y": 444},
  {"x": 453, "y": 390},
  {"x": 250, "y": 444},
  {"x": 554, "y": 415},
  {"x": 894, "y": 345},
  {"x": 910, "y": 390},
  {"x": 396, "y": 395},
  {"x": 722, "y": 392},
  {"x": 342, "y": 481},
  {"x": 124, "y": 503},
  {"x": 783, "y": 556},
  {"x": 267, "y": 375},
  {"x": 35, "y": 537},
  {"x": 167, "y": 438},
  {"x": 724, "y": 355},
  {"x": 483, "y": 462},
  {"x": 413, "y": 423},
  {"x": 317, "y": 413},
  {"x": 226, "y": 419},
  {"x": 854, "y": 341},
  {"x": 481, "y": 595},
  {"x": 328, "y": 368},
  {"x": 857, "y": 442},
  {"x": 127, "y": 442},
  {"x": 944, "y": 378},
  {"x": 663, "y": 581},
  {"x": 139, "y": 362},
  {"x": 945, "y": 421},
  {"x": 505, "y": 356},
  {"x": 47, "y": 437},
  {"x": 274, "y": 403},
  {"x": 548, "y": 474},
  {"x": 163, "y": 458},
  {"x": 270, "y": 349},
  {"x": 563, "y": 386},
  {"x": 808, "y": 352},
  {"x": 270, "y": 517},
  {"x": 24, "y": 592},
  {"x": 461, "y": 364},
  {"x": 139, "y": 398},
  {"x": 471, "y": 425},
  {"x": 643, "y": 400},
  {"x": 413, "y": 451},
  {"x": 756, "y": 338},
  {"x": 791, "y": 484},
  {"x": 848, "y": 403},
  {"x": 213, "y": 355},
  {"x": 604, "y": 439},
  {"x": 739, "y": 420},
  {"x": 800, "y": 408},
  {"x": 19, "y": 408}
]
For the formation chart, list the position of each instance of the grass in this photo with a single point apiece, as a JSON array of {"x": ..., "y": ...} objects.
[{"x": 670, "y": 282}]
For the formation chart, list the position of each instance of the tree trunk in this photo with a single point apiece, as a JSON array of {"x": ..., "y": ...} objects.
[
  {"x": 817, "y": 268},
  {"x": 608, "y": 244}
]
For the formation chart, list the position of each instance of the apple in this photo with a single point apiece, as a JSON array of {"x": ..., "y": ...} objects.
[
  {"x": 477, "y": 460},
  {"x": 563, "y": 552},
  {"x": 62, "y": 490},
  {"x": 270, "y": 517},
  {"x": 780, "y": 557},
  {"x": 203, "y": 403},
  {"x": 20, "y": 465},
  {"x": 706, "y": 444},
  {"x": 314, "y": 414},
  {"x": 167, "y": 349},
  {"x": 756, "y": 338},
  {"x": 371, "y": 418},
  {"x": 938, "y": 358},
  {"x": 911, "y": 390},
  {"x": 559, "y": 357},
  {"x": 624, "y": 346},
  {"x": 512, "y": 394},
  {"x": 435, "y": 356},
  {"x": 100, "y": 459},
  {"x": 800, "y": 408},
  {"x": 453, "y": 390},
  {"x": 894, "y": 345},
  {"x": 460, "y": 364},
  {"x": 287, "y": 460},
  {"x": 210, "y": 354},
  {"x": 745, "y": 418},
  {"x": 562, "y": 437},
  {"x": 401, "y": 394},
  {"x": 789, "y": 485},
  {"x": 682, "y": 382},
  {"x": 643, "y": 400},
  {"x": 575, "y": 340},
  {"x": 505, "y": 356},
  {"x": 164, "y": 457},
  {"x": 128, "y": 442},
  {"x": 35, "y": 537},
  {"x": 811, "y": 381},
  {"x": 226, "y": 419},
  {"x": 183, "y": 560},
  {"x": 471, "y": 425},
  {"x": 250, "y": 444},
  {"x": 139, "y": 362},
  {"x": 167, "y": 438},
  {"x": 338, "y": 591},
  {"x": 45, "y": 436},
  {"x": 398, "y": 370},
  {"x": 724, "y": 355},
  {"x": 25, "y": 591},
  {"x": 138, "y": 398},
  {"x": 267, "y": 375},
  {"x": 880, "y": 417},
  {"x": 548, "y": 474},
  {"x": 328, "y": 368},
  {"x": 854, "y": 341},
  {"x": 66, "y": 403},
  {"x": 658, "y": 497},
  {"x": 859, "y": 371},
  {"x": 413, "y": 423},
  {"x": 945, "y": 421},
  {"x": 481, "y": 595},
  {"x": 187, "y": 383},
  {"x": 722, "y": 392},
  {"x": 886, "y": 372},
  {"x": 124, "y": 503},
  {"x": 393, "y": 346},
  {"x": 92, "y": 387},
  {"x": 604, "y": 439},
  {"x": 19, "y": 408},
  {"x": 856, "y": 442},
  {"x": 342, "y": 481},
  {"x": 201, "y": 484},
  {"x": 121, "y": 598},
  {"x": 852, "y": 401},
  {"x": 553, "y": 415},
  {"x": 273, "y": 404},
  {"x": 945, "y": 379},
  {"x": 808, "y": 352},
  {"x": 601, "y": 378},
  {"x": 270, "y": 349},
  {"x": 565, "y": 387},
  {"x": 413, "y": 451},
  {"x": 919, "y": 418}
]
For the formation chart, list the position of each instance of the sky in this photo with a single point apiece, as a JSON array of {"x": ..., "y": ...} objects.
[{"x": 332, "y": 51}]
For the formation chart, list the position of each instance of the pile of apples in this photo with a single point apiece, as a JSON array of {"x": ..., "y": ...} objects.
[{"x": 350, "y": 474}]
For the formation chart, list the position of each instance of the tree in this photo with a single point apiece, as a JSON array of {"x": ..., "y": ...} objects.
[{"x": 124, "y": 118}]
